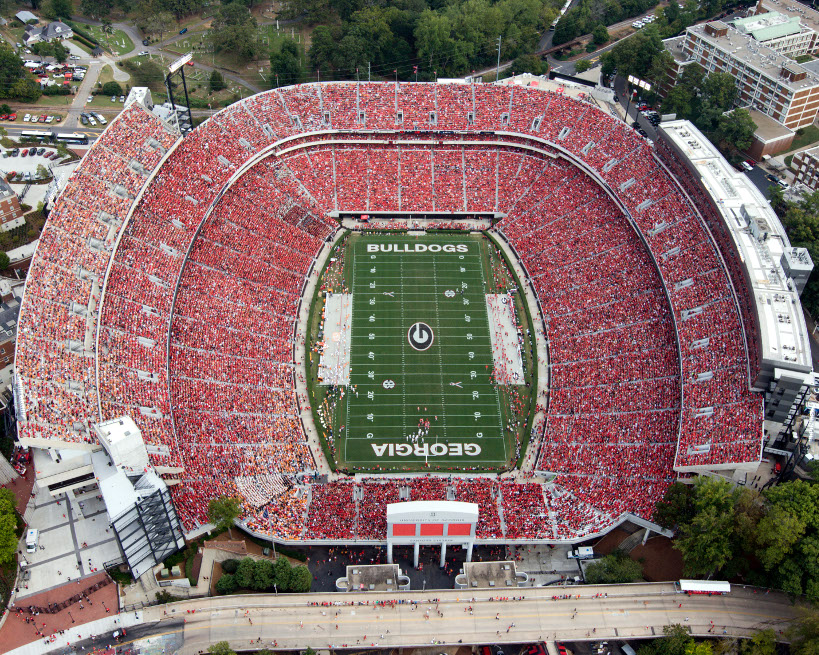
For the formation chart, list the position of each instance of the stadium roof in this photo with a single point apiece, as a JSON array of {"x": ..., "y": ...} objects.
[{"x": 761, "y": 241}]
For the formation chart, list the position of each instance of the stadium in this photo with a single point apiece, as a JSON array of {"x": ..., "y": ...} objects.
[{"x": 248, "y": 293}]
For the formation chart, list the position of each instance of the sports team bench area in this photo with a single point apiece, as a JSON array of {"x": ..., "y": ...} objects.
[{"x": 413, "y": 355}]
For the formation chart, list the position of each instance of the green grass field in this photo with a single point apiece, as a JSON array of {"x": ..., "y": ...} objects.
[
  {"x": 393, "y": 385},
  {"x": 396, "y": 386}
]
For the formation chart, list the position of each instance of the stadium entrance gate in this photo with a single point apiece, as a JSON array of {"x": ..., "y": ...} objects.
[{"x": 429, "y": 523}]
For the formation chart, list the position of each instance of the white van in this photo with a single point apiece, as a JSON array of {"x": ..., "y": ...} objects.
[{"x": 31, "y": 540}]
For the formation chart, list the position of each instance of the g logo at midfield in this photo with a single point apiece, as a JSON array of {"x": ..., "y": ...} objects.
[{"x": 420, "y": 336}]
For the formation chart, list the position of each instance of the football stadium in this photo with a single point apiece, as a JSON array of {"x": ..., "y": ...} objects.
[{"x": 331, "y": 298}]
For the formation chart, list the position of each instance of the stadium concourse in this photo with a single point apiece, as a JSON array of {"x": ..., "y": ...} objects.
[{"x": 169, "y": 278}]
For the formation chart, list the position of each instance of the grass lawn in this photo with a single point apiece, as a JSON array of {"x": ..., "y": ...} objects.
[
  {"x": 53, "y": 101},
  {"x": 805, "y": 136},
  {"x": 118, "y": 41},
  {"x": 802, "y": 59},
  {"x": 107, "y": 75},
  {"x": 393, "y": 384},
  {"x": 81, "y": 46}
]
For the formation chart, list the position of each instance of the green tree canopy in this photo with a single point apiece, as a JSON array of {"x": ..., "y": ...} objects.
[
  {"x": 262, "y": 575},
  {"x": 282, "y": 573},
  {"x": 245, "y": 572},
  {"x": 221, "y": 648},
  {"x": 284, "y": 65},
  {"x": 8, "y": 513},
  {"x": 762, "y": 643},
  {"x": 804, "y": 632},
  {"x": 615, "y": 568},
  {"x": 112, "y": 88},
  {"x": 301, "y": 579},
  {"x": 217, "y": 81},
  {"x": 582, "y": 66},
  {"x": 737, "y": 128},
  {"x": 234, "y": 31},
  {"x": 226, "y": 584},
  {"x": 223, "y": 511},
  {"x": 600, "y": 34}
]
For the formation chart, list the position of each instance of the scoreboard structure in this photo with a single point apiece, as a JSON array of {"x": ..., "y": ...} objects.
[{"x": 431, "y": 523}]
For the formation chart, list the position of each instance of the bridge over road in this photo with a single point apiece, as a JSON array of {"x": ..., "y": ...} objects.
[{"x": 250, "y": 622}]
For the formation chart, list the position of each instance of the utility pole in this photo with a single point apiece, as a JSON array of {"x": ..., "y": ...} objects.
[
  {"x": 497, "y": 72},
  {"x": 368, "y": 72}
]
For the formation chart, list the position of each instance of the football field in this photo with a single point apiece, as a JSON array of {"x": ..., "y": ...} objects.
[{"x": 420, "y": 356}]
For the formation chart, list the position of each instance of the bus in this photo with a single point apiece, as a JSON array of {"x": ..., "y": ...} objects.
[
  {"x": 72, "y": 137},
  {"x": 36, "y": 135}
]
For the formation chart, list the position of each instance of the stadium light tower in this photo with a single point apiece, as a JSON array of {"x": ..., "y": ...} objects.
[{"x": 178, "y": 68}]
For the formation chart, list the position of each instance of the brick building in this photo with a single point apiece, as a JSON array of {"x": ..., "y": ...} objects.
[
  {"x": 767, "y": 81},
  {"x": 11, "y": 214}
]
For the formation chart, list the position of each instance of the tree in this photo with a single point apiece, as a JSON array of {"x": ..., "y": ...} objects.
[
  {"x": 762, "y": 643},
  {"x": 60, "y": 52},
  {"x": 675, "y": 641},
  {"x": 777, "y": 534},
  {"x": 262, "y": 575},
  {"x": 26, "y": 90},
  {"x": 301, "y": 580},
  {"x": 226, "y": 584},
  {"x": 615, "y": 568},
  {"x": 59, "y": 8},
  {"x": 96, "y": 8},
  {"x": 737, "y": 128},
  {"x": 284, "y": 65},
  {"x": 582, "y": 66},
  {"x": 324, "y": 41},
  {"x": 11, "y": 71},
  {"x": 245, "y": 572},
  {"x": 223, "y": 511},
  {"x": 221, "y": 648},
  {"x": 530, "y": 64},
  {"x": 676, "y": 507},
  {"x": 217, "y": 81},
  {"x": 234, "y": 31},
  {"x": 282, "y": 573},
  {"x": 230, "y": 565},
  {"x": 804, "y": 632},
  {"x": 111, "y": 89},
  {"x": 706, "y": 540},
  {"x": 146, "y": 73},
  {"x": 600, "y": 34},
  {"x": 8, "y": 507}
]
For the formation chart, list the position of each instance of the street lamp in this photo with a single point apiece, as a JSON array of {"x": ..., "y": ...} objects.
[{"x": 72, "y": 618}]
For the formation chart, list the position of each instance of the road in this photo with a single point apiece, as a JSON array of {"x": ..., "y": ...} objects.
[{"x": 590, "y": 612}]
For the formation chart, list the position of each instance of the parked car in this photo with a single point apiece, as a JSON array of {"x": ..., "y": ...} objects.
[
  {"x": 26, "y": 117},
  {"x": 783, "y": 184},
  {"x": 144, "y": 53},
  {"x": 12, "y": 117},
  {"x": 91, "y": 120},
  {"x": 183, "y": 30},
  {"x": 772, "y": 178},
  {"x": 74, "y": 58},
  {"x": 145, "y": 42},
  {"x": 746, "y": 166},
  {"x": 42, "y": 119},
  {"x": 113, "y": 98},
  {"x": 15, "y": 152},
  {"x": 11, "y": 175},
  {"x": 24, "y": 153},
  {"x": 84, "y": 119},
  {"x": 40, "y": 151}
]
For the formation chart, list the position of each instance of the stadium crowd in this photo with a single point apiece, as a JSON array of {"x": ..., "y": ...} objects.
[{"x": 196, "y": 290}]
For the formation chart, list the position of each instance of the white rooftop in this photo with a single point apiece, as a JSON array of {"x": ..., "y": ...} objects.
[{"x": 746, "y": 212}]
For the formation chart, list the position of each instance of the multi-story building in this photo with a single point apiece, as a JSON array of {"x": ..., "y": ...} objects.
[
  {"x": 806, "y": 165},
  {"x": 767, "y": 81},
  {"x": 782, "y": 33},
  {"x": 11, "y": 214},
  {"x": 809, "y": 18}
]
